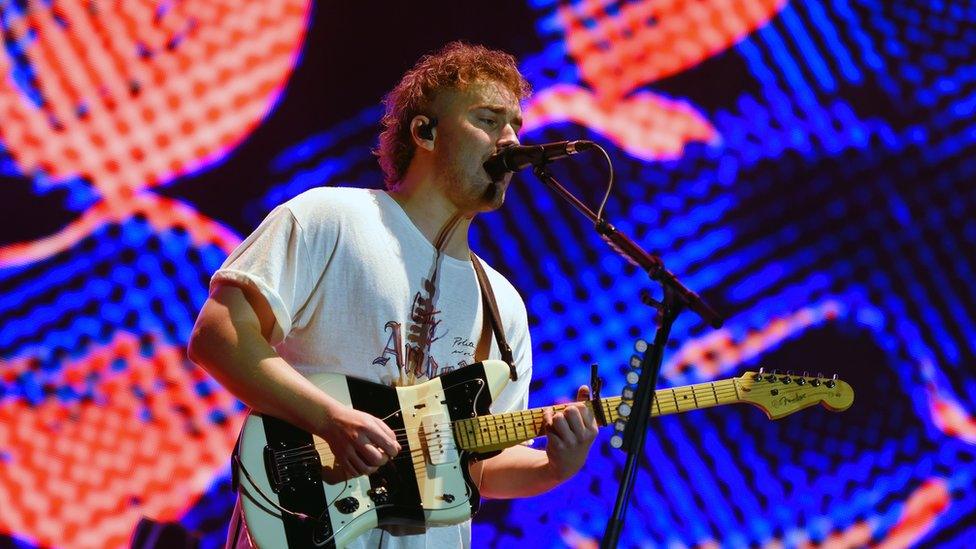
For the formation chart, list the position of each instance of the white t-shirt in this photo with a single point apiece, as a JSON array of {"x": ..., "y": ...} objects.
[{"x": 357, "y": 289}]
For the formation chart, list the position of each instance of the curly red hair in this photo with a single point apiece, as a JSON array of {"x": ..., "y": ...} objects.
[{"x": 453, "y": 67}]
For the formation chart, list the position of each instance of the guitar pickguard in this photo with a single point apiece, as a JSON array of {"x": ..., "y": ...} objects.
[{"x": 426, "y": 484}]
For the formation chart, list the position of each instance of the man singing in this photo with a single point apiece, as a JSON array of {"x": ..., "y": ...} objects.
[{"x": 380, "y": 285}]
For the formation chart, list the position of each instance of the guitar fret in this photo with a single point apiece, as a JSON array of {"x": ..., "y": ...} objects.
[
  {"x": 704, "y": 398},
  {"x": 501, "y": 430},
  {"x": 482, "y": 431},
  {"x": 507, "y": 429},
  {"x": 459, "y": 433},
  {"x": 499, "y": 425},
  {"x": 493, "y": 432},
  {"x": 466, "y": 433},
  {"x": 525, "y": 428},
  {"x": 472, "y": 430}
]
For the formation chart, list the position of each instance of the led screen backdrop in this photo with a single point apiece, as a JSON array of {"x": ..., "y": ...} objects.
[{"x": 808, "y": 166}]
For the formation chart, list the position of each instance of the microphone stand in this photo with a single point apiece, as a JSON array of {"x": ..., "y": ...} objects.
[{"x": 677, "y": 297}]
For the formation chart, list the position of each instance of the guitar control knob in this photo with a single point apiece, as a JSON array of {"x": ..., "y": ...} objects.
[
  {"x": 448, "y": 498},
  {"x": 380, "y": 495},
  {"x": 347, "y": 505}
]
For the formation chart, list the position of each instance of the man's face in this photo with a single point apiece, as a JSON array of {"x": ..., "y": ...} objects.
[{"x": 473, "y": 124}]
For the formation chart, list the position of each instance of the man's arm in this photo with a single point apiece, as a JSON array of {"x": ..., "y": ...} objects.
[
  {"x": 521, "y": 471},
  {"x": 230, "y": 340}
]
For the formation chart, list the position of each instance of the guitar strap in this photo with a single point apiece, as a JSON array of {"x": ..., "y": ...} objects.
[{"x": 491, "y": 319}]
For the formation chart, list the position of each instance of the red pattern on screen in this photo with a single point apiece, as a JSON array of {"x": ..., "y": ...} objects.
[
  {"x": 950, "y": 416},
  {"x": 620, "y": 47},
  {"x": 646, "y": 125},
  {"x": 135, "y": 95},
  {"x": 161, "y": 213},
  {"x": 82, "y": 474},
  {"x": 642, "y": 42},
  {"x": 720, "y": 352},
  {"x": 127, "y": 96}
]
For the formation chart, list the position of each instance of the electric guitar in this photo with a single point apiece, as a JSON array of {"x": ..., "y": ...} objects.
[{"x": 295, "y": 495}]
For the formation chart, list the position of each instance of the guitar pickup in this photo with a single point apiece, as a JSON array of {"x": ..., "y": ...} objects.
[{"x": 437, "y": 439}]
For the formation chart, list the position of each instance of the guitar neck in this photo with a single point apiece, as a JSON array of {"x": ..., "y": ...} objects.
[{"x": 494, "y": 432}]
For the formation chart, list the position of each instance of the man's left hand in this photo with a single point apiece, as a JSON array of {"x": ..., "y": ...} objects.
[{"x": 570, "y": 434}]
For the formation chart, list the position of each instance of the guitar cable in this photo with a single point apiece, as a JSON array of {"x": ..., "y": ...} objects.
[
  {"x": 240, "y": 465},
  {"x": 298, "y": 515},
  {"x": 302, "y": 516}
]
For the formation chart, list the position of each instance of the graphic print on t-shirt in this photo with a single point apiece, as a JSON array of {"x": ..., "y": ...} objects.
[{"x": 414, "y": 361}]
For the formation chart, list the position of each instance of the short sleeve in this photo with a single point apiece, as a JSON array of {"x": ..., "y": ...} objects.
[{"x": 273, "y": 260}]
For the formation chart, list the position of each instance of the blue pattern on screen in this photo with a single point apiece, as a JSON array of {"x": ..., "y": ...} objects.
[{"x": 838, "y": 202}]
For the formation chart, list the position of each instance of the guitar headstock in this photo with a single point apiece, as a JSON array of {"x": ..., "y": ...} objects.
[{"x": 780, "y": 395}]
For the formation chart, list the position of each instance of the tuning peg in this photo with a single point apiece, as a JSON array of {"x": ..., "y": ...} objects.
[
  {"x": 640, "y": 345},
  {"x": 831, "y": 382},
  {"x": 759, "y": 376}
]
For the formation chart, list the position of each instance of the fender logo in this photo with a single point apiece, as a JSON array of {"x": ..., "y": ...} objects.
[{"x": 786, "y": 400}]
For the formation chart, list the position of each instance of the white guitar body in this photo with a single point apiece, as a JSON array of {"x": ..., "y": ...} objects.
[
  {"x": 279, "y": 466},
  {"x": 293, "y": 494}
]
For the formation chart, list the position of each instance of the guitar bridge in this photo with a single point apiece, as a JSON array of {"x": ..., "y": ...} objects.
[
  {"x": 437, "y": 440},
  {"x": 300, "y": 465}
]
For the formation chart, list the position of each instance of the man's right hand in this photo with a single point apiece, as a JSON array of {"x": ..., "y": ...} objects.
[
  {"x": 231, "y": 340},
  {"x": 361, "y": 443}
]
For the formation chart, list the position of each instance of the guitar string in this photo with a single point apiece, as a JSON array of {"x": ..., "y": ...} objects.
[
  {"x": 725, "y": 393},
  {"x": 324, "y": 450},
  {"x": 495, "y": 419}
]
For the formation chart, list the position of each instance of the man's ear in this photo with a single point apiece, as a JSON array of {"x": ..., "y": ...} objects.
[{"x": 422, "y": 130}]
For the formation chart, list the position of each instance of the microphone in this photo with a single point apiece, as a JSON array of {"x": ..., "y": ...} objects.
[{"x": 516, "y": 157}]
